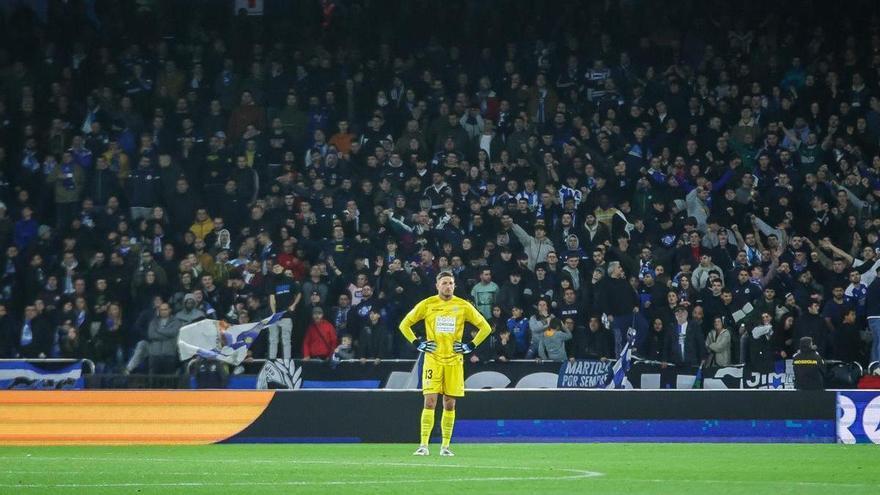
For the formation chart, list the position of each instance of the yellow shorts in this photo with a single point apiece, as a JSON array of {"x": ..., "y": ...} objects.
[{"x": 445, "y": 379}]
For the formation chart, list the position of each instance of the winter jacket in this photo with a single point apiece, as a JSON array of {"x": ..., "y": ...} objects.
[
  {"x": 718, "y": 345},
  {"x": 320, "y": 340},
  {"x": 162, "y": 337}
]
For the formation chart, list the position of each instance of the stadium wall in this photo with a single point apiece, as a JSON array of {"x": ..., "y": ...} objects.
[{"x": 201, "y": 417}]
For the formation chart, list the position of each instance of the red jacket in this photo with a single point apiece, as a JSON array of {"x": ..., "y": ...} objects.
[
  {"x": 320, "y": 340},
  {"x": 292, "y": 263}
]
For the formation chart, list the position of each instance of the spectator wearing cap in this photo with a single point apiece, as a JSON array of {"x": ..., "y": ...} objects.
[
  {"x": 808, "y": 366},
  {"x": 686, "y": 346},
  {"x": 320, "y": 339}
]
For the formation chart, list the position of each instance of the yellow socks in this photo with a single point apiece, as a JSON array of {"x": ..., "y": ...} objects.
[
  {"x": 447, "y": 421},
  {"x": 428, "y": 425}
]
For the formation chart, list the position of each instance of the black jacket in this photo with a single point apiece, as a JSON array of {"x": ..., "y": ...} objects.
[
  {"x": 694, "y": 345},
  {"x": 809, "y": 371},
  {"x": 619, "y": 297},
  {"x": 599, "y": 344},
  {"x": 41, "y": 330},
  {"x": 810, "y": 325}
]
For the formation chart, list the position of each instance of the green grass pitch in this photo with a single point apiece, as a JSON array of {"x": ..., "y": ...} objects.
[{"x": 477, "y": 468}]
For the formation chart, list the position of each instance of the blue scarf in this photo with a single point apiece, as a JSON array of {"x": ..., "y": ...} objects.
[
  {"x": 67, "y": 176},
  {"x": 27, "y": 335},
  {"x": 29, "y": 161}
]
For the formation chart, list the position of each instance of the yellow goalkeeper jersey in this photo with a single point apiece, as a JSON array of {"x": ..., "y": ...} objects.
[{"x": 444, "y": 324}]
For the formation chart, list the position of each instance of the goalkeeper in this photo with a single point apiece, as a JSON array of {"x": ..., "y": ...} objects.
[{"x": 443, "y": 373}]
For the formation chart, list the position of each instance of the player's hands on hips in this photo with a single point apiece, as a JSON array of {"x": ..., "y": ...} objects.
[
  {"x": 423, "y": 345},
  {"x": 463, "y": 347}
]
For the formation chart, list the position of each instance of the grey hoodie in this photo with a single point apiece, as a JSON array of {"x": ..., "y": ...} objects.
[
  {"x": 188, "y": 316},
  {"x": 553, "y": 347}
]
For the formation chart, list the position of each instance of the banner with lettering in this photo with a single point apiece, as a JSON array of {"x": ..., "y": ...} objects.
[{"x": 584, "y": 373}]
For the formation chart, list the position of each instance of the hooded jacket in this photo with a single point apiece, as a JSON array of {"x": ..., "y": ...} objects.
[{"x": 188, "y": 316}]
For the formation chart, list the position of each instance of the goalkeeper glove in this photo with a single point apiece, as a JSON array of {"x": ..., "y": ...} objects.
[
  {"x": 463, "y": 347},
  {"x": 423, "y": 345}
]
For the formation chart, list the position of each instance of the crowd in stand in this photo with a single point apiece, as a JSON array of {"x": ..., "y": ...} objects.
[{"x": 707, "y": 177}]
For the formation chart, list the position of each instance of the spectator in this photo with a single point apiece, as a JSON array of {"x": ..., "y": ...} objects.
[
  {"x": 36, "y": 335},
  {"x": 718, "y": 344},
  {"x": 345, "y": 349},
  {"x": 846, "y": 338},
  {"x": 374, "y": 339},
  {"x": 504, "y": 345},
  {"x": 655, "y": 344},
  {"x": 808, "y": 365},
  {"x": 518, "y": 325},
  {"x": 538, "y": 324},
  {"x": 812, "y": 325},
  {"x": 284, "y": 296},
  {"x": 760, "y": 348},
  {"x": 320, "y": 340},
  {"x": 537, "y": 247},
  {"x": 599, "y": 341},
  {"x": 162, "y": 337},
  {"x": 621, "y": 304},
  {"x": 551, "y": 343},
  {"x": 485, "y": 293},
  {"x": 189, "y": 313},
  {"x": 686, "y": 345}
]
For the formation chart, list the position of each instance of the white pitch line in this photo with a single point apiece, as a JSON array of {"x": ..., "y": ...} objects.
[
  {"x": 578, "y": 474},
  {"x": 280, "y": 462}
]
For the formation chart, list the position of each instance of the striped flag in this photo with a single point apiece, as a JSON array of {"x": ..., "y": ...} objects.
[
  {"x": 208, "y": 339},
  {"x": 624, "y": 361}
]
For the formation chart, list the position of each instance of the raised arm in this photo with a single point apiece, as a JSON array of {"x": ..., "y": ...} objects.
[
  {"x": 398, "y": 221},
  {"x": 825, "y": 243},
  {"x": 766, "y": 229},
  {"x": 522, "y": 235}
]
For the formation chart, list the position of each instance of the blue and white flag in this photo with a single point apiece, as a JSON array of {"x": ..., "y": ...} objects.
[
  {"x": 21, "y": 375},
  {"x": 210, "y": 340},
  {"x": 624, "y": 361}
]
